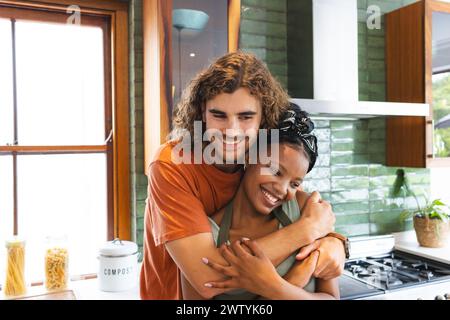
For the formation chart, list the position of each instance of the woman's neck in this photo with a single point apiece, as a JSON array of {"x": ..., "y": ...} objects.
[{"x": 244, "y": 213}]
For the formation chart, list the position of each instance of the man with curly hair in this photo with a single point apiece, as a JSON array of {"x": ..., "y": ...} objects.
[{"x": 235, "y": 94}]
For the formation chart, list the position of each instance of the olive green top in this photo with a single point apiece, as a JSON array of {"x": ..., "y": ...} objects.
[{"x": 287, "y": 213}]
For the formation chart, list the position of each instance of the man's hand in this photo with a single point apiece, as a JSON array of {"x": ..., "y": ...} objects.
[
  {"x": 317, "y": 215},
  {"x": 331, "y": 258},
  {"x": 301, "y": 272}
]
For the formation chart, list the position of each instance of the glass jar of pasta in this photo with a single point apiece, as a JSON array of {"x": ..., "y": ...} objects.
[
  {"x": 15, "y": 268},
  {"x": 56, "y": 263}
]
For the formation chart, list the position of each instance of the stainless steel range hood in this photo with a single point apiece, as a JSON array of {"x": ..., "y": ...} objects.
[{"x": 334, "y": 61}]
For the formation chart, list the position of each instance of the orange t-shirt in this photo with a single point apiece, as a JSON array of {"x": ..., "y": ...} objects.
[{"x": 180, "y": 196}]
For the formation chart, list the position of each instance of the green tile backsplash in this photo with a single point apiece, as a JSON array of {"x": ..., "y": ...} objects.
[{"x": 263, "y": 32}]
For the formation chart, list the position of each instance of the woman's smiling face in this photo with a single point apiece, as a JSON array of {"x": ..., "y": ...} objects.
[{"x": 268, "y": 186}]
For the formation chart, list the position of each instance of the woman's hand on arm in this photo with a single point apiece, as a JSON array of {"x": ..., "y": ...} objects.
[
  {"x": 247, "y": 268},
  {"x": 255, "y": 273},
  {"x": 331, "y": 259}
]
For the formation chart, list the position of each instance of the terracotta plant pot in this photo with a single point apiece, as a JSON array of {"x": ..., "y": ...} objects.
[{"x": 432, "y": 233}]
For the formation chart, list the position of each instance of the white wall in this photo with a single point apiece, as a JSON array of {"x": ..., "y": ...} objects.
[
  {"x": 335, "y": 50},
  {"x": 440, "y": 184}
]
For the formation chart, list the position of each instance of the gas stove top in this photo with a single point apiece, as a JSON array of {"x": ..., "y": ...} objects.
[
  {"x": 388, "y": 272},
  {"x": 396, "y": 270}
]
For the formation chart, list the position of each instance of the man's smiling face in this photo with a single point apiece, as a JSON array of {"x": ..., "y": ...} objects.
[{"x": 233, "y": 114}]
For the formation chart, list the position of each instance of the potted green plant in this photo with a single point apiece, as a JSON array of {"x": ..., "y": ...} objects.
[{"x": 431, "y": 222}]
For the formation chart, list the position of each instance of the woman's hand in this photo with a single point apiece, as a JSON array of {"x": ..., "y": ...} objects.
[
  {"x": 249, "y": 268},
  {"x": 331, "y": 259}
]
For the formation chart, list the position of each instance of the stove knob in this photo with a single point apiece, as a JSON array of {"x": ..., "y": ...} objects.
[
  {"x": 419, "y": 298},
  {"x": 439, "y": 297},
  {"x": 447, "y": 296}
]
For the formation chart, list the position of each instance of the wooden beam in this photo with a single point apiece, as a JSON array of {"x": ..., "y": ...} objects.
[
  {"x": 85, "y": 5},
  {"x": 121, "y": 125},
  {"x": 29, "y": 13},
  {"x": 234, "y": 22}
]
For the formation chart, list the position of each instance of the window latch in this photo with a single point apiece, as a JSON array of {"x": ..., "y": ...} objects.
[{"x": 109, "y": 139}]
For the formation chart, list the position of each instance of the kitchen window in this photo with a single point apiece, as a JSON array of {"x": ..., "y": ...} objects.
[{"x": 63, "y": 128}]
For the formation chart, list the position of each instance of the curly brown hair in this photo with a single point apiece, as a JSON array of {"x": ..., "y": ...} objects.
[{"x": 226, "y": 75}]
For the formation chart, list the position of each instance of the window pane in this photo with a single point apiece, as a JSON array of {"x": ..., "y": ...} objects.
[
  {"x": 441, "y": 84},
  {"x": 63, "y": 194},
  {"x": 6, "y": 208},
  {"x": 60, "y": 84},
  {"x": 6, "y": 84},
  {"x": 200, "y": 34},
  {"x": 441, "y": 114}
]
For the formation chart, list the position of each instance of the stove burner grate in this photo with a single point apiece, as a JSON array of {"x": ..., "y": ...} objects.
[{"x": 391, "y": 271}]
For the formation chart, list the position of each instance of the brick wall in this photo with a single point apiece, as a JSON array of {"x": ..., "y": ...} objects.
[
  {"x": 138, "y": 178},
  {"x": 264, "y": 32}
]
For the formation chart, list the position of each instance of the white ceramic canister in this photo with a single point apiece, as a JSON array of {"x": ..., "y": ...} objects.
[{"x": 118, "y": 269}]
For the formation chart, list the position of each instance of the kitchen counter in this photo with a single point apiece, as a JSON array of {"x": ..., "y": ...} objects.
[
  {"x": 87, "y": 289},
  {"x": 79, "y": 290},
  {"x": 407, "y": 242}
]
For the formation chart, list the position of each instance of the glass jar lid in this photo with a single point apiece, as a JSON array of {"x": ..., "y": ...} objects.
[{"x": 15, "y": 242}]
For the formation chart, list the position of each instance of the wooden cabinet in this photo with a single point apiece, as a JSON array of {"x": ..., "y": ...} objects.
[{"x": 418, "y": 70}]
